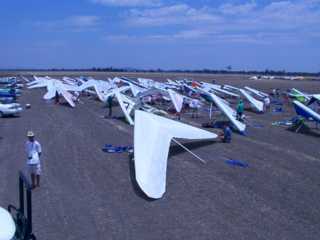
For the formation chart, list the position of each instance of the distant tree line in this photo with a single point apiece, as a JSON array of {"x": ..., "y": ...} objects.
[{"x": 228, "y": 70}]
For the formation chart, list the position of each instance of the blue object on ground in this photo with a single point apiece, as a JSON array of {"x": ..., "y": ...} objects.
[
  {"x": 283, "y": 123},
  {"x": 277, "y": 110},
  {"x": 237, "y": 163},
  {"x": 116, "y": 149}
]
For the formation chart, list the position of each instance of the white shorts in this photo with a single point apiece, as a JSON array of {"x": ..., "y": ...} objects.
[{"x": 34, "y": 169}]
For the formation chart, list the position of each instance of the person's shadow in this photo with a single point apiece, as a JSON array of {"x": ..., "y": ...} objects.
[{"x": 176, "y": 149}]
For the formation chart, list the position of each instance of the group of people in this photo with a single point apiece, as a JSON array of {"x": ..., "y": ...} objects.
[{"x": 240, "y": 107}]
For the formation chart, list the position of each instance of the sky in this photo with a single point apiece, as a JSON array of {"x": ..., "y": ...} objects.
[{"x": 173, "y": 34}]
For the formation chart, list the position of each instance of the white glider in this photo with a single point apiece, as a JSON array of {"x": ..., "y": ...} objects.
[
  {"x": 53, "y": 86},
  {"x": 136, "y": 90},
  {"x": 228, "y": 111},
  {"x": 152, "y": 137},
  {"x": 218, "y": 89},
  {"x": 126, "y": 104},
  {"x": 173, "y": 83},
  {"x": 231, "y": 88},
  {"x": 257, "y": 92},
  {"x": 38, "y": 82},
  {"x": 176, "y": 99},
  {"x": 149, "y": 83},
  {"x": 256, "y": 104},
  {"x": 25, "y": 79},
  {"x": 100, "y": 87},
  {"x": 167, "y": 94},
  {"x": 317, "y": 97}
]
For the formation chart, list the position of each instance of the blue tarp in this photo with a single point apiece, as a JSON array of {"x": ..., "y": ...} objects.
[
  {"x": 116, "y": 149},
  {"x": 237, "y": 163}
]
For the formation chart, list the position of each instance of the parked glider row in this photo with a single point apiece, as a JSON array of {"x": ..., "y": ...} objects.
[
  {"x": 264, "y": 77},
  {"x": 151, "y": 150},
  {"x": 172, "y": 90},
  {"x": 130, "y": 93}
]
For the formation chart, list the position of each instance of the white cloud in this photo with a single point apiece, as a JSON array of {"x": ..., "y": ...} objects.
[
  {"x": 190, "y": 36},
  {"x": 50, "y": 44},
  {"x": 278, "y": 21},
  {"x": 289, "y": 14},
  {"x": 82, "y": 21},
  {"x": 117, "y": 38},
  {"x": 280, "y": 14},
  {"x": 207, "y": 38},
  {"x": 232, "y": 9},
  {"x": 179, "y": 14},
  {"x": 73, "y": 23},
  {"x": 129, "y": 3}
]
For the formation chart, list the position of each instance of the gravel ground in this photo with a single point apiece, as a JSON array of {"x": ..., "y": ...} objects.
[{"x": 88, "y": 194}]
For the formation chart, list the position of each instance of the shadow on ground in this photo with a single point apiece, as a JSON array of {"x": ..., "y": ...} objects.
[
  {"x": 176, "y": 149},
  {"x": 305, "y": 130},
  {"x": 136, "y": 188}
]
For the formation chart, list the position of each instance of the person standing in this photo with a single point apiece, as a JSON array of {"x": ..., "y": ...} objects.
[
  {"x": 194, "y": 105},
  {"x": 240, "y": 109},
  {"x": 109, "y": 104},
  {"x": 267, "y": 103},
  {"x": 33, "y": 150},
  {"x": 56, "y": 98}
]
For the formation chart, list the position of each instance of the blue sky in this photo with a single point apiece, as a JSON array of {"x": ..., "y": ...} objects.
[{"x": 280, "y": 35}]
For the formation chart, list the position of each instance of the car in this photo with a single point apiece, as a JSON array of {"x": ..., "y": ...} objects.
[
  {"x": 11, "y": 91},
  {"x": 14, "y": 85},
  {"x": 12, "y": 109},
  {"x": 6, "y": 100}
]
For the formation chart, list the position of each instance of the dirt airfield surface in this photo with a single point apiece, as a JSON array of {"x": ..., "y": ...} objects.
[{"x": 88, "y": 194}]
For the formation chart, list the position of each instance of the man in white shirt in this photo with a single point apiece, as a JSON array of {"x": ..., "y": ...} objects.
[
  {"x": 33, "y": 149},
  {"x": 195, "y": 105},
  {"x": 267, "y": 103}
]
